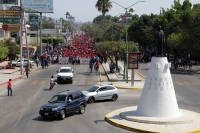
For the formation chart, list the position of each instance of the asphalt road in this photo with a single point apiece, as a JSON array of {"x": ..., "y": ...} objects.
[{"x": 20, "y": 113}]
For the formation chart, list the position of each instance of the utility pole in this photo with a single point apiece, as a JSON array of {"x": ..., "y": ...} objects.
[{"x": 40, "y": 33}]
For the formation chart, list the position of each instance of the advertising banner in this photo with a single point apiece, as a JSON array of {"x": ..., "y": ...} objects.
[
  {"x": 9, "y": 2},
  {"x": 43, "y": 6},
  {"x": 132, "y": 60}
]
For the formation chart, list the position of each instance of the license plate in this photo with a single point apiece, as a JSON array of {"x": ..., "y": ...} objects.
[{"x": 46, "y": 114}]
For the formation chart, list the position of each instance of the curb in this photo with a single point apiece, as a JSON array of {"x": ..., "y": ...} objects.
[
  {"x": 126, "y": 88},
  {"x": 123, "y": 126},
  {"x": 133, "y": 129}
]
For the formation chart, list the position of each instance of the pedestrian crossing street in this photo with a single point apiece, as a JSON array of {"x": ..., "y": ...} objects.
[{"x": 44, "y": 82}]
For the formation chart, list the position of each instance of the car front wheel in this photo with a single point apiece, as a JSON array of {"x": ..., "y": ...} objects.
[
  {"x": 82, "y": 109},
  {"x": 62, "y": 114},
  {"x": 114, "y": 97},
  {"x": 91, "y": 100}
]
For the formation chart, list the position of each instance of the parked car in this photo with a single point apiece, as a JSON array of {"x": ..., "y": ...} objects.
[
  {"x": 59, "y": 105},
  {"x": 101, "y": 92},
  {"x": 18, "y": 62},
  {"x": 65, "y": 74},
  {"x": 25, "y": 62}
]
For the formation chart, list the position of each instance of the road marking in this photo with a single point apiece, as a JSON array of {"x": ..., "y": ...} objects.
[
  {"x": 89, "y": 82},
  {"x": 82, "y": 82},
  {"x": 179, "y": 83},
  {"x": 74, "y": 82},
  {"x": 34, "y": 82},
  {"x": 42, "y": 82},
  {"x": 194, "y": 83},
  {"x": 186, "y": 83}
]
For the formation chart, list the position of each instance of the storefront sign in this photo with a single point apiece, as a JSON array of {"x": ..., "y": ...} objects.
[
  {"x": 43, "y": 6},
  {"x": 9, "y": 27},
  {"x": 9, "y": 13},
  {"x": 10, "y": 20},
  {"x": 132, "y": 60}
]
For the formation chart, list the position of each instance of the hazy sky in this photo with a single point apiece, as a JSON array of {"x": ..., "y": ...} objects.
[{"x": 84, "y": 10}]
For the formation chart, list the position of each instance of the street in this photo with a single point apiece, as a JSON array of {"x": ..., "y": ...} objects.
[{"x": 19, "y": 113}]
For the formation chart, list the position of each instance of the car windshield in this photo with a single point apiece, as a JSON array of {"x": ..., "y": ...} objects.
[
  {"x": 58, "y": 99},
  {"x": 93, "y": 88},
  {"x": 65, "y": 71}
]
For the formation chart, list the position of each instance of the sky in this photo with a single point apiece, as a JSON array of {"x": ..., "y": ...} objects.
[{"x": 84, "y": 10}]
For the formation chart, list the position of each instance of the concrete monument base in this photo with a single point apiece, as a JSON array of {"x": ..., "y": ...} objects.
[{"x": 128, "y": 118}]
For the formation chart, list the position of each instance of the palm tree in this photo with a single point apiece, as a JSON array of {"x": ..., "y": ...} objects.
[{"x": 103, "y": 6}]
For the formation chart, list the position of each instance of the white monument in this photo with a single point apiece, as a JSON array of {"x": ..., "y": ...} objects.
[{"x": 158, "y": 97}]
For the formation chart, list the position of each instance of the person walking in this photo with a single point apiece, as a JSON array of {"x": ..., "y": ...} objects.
[
  {"x": 27, "y": 70},
  {"x": 37, "y": 61},
  {"x": 9, "y": 88},
  {"x": 52, "y": 83}
]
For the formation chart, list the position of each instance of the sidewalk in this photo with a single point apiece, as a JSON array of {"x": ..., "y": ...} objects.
[
  {"x": 117, "y": 78},
  {"x": 14, "y": 74}
]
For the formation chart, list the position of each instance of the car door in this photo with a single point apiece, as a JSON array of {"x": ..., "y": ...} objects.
[
  {"x": 101, "y": 93},
  {"x": 76, "y": 101},
  {"x": 69, "y": 105}
]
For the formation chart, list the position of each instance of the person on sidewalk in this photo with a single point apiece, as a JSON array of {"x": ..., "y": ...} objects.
[
  {"x": 27, "y": 70},
  {"x": 37, "y": 61},
  {"x": 9, "y": 87},
  {"x": 91, "y": 65}
]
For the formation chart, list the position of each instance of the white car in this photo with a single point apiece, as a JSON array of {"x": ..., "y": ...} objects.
[
  {"x": 65, "y": 74},
  {"x": 25, "y": 62},
  {"x": 101, "y": 92}
]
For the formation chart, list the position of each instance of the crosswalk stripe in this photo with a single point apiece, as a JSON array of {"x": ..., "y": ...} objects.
[
  {"x": 194, "y": 83},
  {"x": 186, "y": 83},
  {"x": 82, "y": 82},
  {"x": 179, "y": 83},
  {"x": 89, "y": 82},
  {"x": 42, "y": 82},
  {"x": 34, "y": 82},
  {"x": 74, "y": 82}
]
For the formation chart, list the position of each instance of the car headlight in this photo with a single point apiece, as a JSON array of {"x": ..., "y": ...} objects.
[
  {"x": 54, "y": 109},
  {"x": 41, "y": 108}
]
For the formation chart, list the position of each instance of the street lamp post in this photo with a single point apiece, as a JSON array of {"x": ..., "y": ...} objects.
[
  {"x": 27, "y": 26},
  {"x": 131, "y": 10}
]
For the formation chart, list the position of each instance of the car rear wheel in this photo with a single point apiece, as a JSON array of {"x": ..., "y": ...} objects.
[
  {"x": 114, "y": 97},
  {"x": 91, "y": 100},
  {"x": 82, "y": 109},
  {"x": 62, "y": 114}
]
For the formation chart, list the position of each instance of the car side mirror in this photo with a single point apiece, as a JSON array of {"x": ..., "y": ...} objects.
[{"x": 97, "y": 91}]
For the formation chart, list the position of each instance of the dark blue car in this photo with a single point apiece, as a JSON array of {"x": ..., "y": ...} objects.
[{"x": 64, "y": 103}]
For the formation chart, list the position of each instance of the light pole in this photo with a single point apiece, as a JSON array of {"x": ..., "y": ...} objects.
[
  {"x": 27, "y": 26},
  {"x": 131, "y": 10}
]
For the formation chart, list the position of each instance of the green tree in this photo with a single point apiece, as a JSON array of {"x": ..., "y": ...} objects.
[{"x": 3, "y": 50}]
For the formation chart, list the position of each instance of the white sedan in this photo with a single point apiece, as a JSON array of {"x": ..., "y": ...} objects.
[
  {"x": 101, "y": 92},
  {"x": 25, "y": 62}
]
